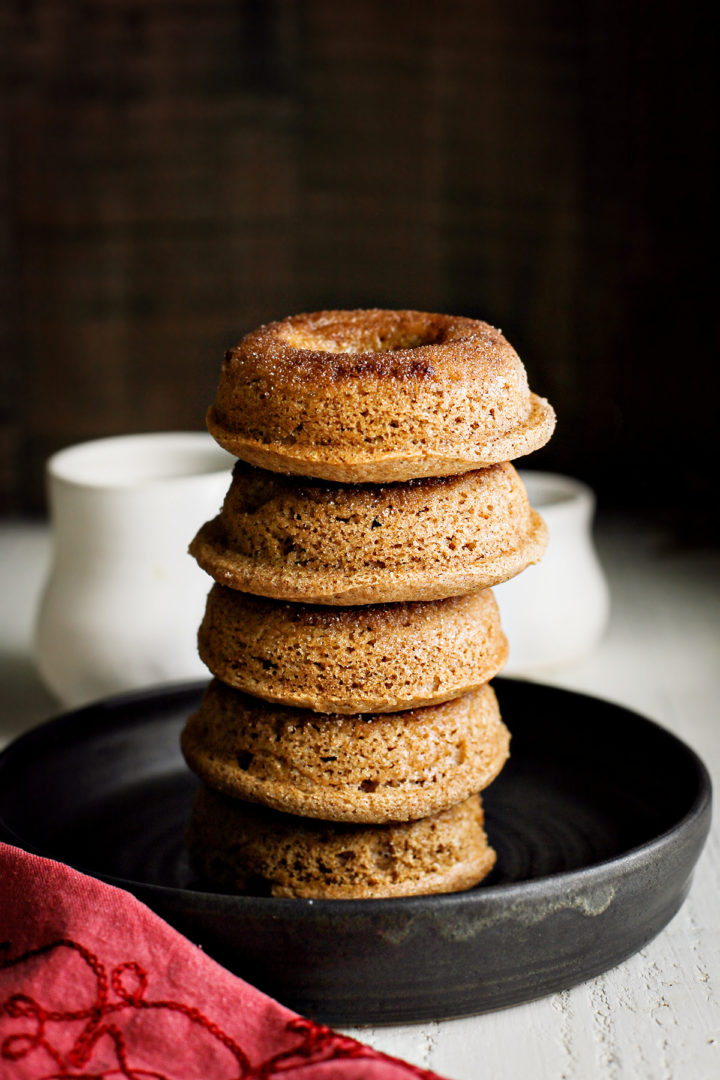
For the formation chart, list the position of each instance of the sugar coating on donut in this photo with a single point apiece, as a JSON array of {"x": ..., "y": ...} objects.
[{"x": 375, "y": 395}]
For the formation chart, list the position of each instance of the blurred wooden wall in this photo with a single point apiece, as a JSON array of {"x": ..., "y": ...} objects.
[{"x": 178, "y": 172}]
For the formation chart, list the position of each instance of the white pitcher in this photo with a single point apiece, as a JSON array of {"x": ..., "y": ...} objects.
[
  {"x": 556, "y": 611},
  {"x": 124, "y": 600}
]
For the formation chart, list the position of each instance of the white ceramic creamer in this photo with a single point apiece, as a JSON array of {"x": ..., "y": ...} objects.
[
  {"x": 556, "y": 611},
  {"x": 124, "y": 600}
]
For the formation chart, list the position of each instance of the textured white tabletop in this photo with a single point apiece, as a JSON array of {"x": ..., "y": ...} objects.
[{"x": 656, "y": 1016}]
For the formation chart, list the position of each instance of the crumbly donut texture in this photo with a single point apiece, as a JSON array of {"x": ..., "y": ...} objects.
[
  {"x": 245, "y": 849},
  {"x": 376, "y": 396},
  {"x": 380, "y": 658},
  {"x": 367, "y": 768},
  {"x": 321, "y": 543}
]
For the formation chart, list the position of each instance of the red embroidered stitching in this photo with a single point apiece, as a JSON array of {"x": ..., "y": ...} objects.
[{"x": 129, "y": 982}]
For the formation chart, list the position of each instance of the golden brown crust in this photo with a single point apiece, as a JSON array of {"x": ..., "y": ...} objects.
[
  {"x": 376, "y": 396},
  {"x": 321, "y": 543},
  {"x": 382, "y": 658},
  {"x": 327, "y": 347},
  {"x": 241, "y": 848},
  {"x": 367, "y": 768}
]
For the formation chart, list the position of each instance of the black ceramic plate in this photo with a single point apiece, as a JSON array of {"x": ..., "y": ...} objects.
[{"x": 597, "y": 819}]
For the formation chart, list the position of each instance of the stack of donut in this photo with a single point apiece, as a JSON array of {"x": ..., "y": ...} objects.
[{"x": 352, "y": 631}]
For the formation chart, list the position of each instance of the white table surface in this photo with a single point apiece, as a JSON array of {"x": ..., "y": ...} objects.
[{"x": 658, "y": 1014}]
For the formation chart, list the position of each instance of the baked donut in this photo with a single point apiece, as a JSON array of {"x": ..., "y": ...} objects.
[
  {"x": 379, "y": 658},
  {"x": 248, "y": 849},
  {"x": 338, "y": 544},
  {"x": 376, "y": 396},
  {"x": 369, "y": 768}
]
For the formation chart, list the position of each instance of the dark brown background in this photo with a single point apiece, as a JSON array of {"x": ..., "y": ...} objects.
[{"x": 179, "y": 172}]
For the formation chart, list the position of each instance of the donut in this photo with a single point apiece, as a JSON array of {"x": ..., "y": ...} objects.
[
  {"x": 373, "y": 396},
  {"x": 240, "y": 848},
  {"x": 321, "y": 543},
  {"x": 381, "y": 658},
  {"x": 368, "y": 768}
]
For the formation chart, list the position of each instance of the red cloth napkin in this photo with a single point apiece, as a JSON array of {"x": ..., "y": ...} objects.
[{"x": 95, "y": 985}]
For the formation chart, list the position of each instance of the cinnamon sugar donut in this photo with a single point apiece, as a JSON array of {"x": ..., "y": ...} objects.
[
  {"x": 370, "y": 768},
  {"x": 376, "y": 396},
  {"x": 248, "y": 849},
  {"x": 339, "y": 544},
  {"x": 379, "y": 658}
]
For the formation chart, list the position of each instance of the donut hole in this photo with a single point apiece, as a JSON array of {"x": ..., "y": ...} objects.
[{"x": 381, "y": 333}]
